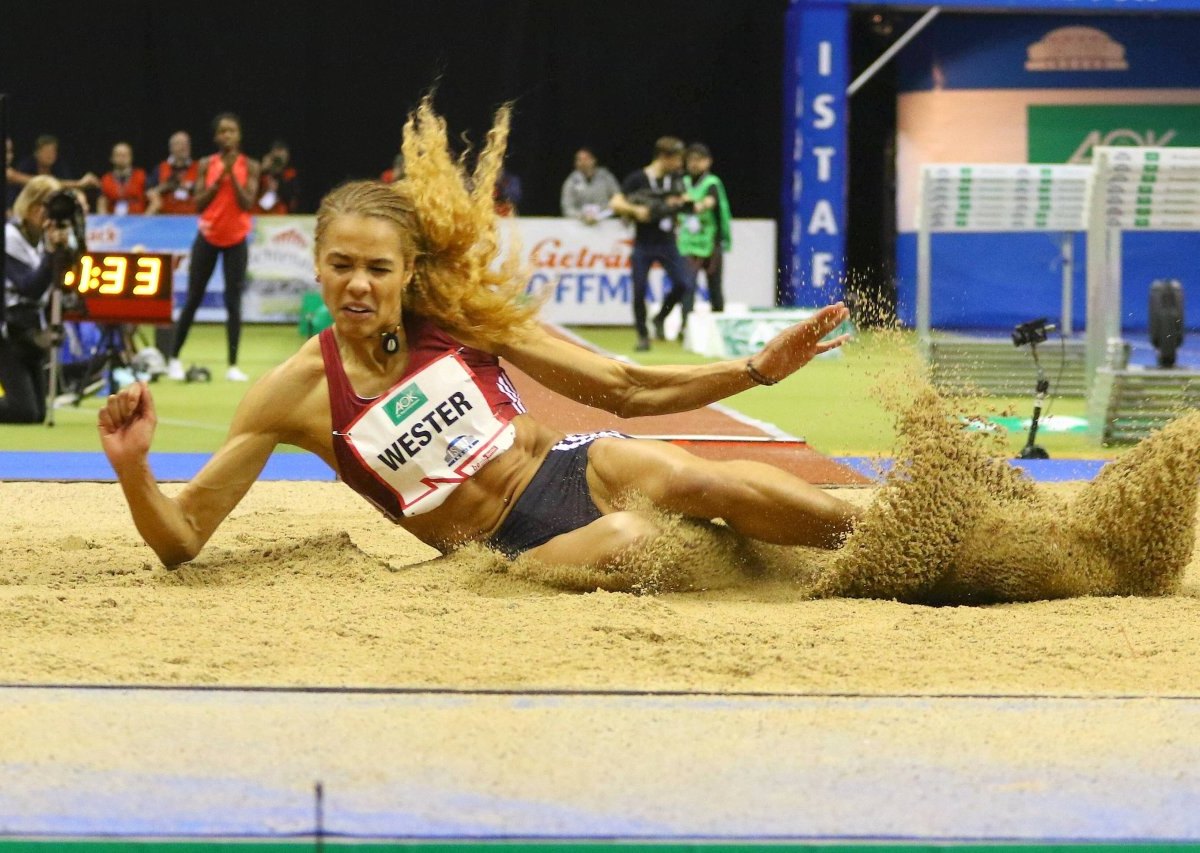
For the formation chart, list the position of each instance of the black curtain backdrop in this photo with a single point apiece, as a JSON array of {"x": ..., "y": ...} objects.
[{"x": 336, "y": 79}]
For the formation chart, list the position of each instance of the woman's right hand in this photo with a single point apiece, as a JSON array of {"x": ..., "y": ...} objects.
[{"x": 127, "y": 424}]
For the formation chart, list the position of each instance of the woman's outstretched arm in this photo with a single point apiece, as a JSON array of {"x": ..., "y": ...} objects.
[{"x": 631, "y": 390}]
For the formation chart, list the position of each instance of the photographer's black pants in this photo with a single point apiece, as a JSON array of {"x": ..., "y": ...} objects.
[
  {"x": 200, "y": 270},
  {"x": 23, "y": 375},
  {"x": 683, "y": 285}
]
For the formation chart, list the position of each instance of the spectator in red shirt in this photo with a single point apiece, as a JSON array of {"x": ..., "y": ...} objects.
[
  {"x": 174, "y": 180},
  {"x": 278, "y": 187},
  {"x": 224, "y": 195},
  {"x": 123, "y": 188},
  {"x": 390, "y": 176}
]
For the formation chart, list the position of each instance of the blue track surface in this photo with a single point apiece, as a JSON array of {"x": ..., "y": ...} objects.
[
  {"x": 176, "y": 762},
  {"x": 44, "y": 465},
  {"x": 80, "y": 465}
]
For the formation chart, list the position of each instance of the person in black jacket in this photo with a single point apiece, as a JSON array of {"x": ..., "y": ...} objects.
[
  {"x": 30, "y": 241},
  {"x": 652, "y": 197}
]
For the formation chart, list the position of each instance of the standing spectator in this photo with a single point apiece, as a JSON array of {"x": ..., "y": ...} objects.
[
  {"x": 123, "y": 188},
  {"x": 30, "y": 241},
  {"x": 175, "y": 178},
  {"x": 586, "y": 191},
  {"x": 651, "y": 197},
  {"x": 390, "y": 176},
  {"x": 225, "y": 193},
  {"x": 705, "y": 233},
  {"x": 44, "y": 161},
  {"x": 278, "y": 189},
  {"x": 13, "y": 179},
  {"x": 507, "y": 193}
]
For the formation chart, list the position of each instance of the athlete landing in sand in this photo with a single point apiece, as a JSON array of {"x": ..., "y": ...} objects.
[{"x": 405, "y": 398}]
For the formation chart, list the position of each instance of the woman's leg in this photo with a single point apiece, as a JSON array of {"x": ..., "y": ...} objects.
[
  {"x": 200, "y": 269},
  {"x": 599, "y": 545},
  {"x": 236, "y": 258},
  {"x": 755, "y": 499}
]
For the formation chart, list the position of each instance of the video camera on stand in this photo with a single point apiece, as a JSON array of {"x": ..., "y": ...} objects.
[
  {"x": 1033, "y": 333},
  {"x": 65, "y": 212}
]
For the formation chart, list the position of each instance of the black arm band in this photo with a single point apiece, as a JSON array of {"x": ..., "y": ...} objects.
[{"x": 756, "y": 377}]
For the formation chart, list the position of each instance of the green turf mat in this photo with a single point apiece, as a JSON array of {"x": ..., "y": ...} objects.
[{"x": 831, "y": 402}]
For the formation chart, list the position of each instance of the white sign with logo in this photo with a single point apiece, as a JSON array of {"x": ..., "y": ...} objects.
[
  {"x": 585, "y": 268},
  {"x": 1076, "y": 48},
  {"x": 430, "y": 433},
  {"x": 280, "y": 268}
]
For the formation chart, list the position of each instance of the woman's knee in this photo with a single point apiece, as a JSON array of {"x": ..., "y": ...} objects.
[
  {"x": 603, "y": 544},
  {"x": 700, "y": 487},
  {"x": 623, "y": 533}
]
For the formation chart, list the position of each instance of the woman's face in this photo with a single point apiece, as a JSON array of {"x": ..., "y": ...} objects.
[
  {"x": 363, "y": 273},
  {"x": 35, "y": 217},
  {"x": 229, "y": 135}
]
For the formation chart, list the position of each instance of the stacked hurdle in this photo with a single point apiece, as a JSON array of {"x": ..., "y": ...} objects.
[
  {"x": 1134, "y": 189},
  {"x": 965, "y": 198}
]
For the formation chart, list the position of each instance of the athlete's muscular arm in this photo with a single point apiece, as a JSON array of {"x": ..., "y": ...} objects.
[
  {"x": 247, "y": 193},
  {"x": 202, "y": 194},
  {"x": 630, "y": 390},
  {"x": 177, "y": 528}
]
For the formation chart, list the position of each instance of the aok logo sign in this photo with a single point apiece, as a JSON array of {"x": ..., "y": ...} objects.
[
  {"x": 406, "y": 401},
  {"x": 1121, "y": 136}
]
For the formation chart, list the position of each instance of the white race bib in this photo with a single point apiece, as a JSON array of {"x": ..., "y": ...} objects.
[{"x": 430, "y": 433}]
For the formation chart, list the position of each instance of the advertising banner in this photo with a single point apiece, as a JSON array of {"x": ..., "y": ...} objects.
[
  {"x": 584, "y": 269},
  {"x": 814, "y": 200},
  {"x": 1067, "y": 133},
  {"x": 1034, "y": 89}
]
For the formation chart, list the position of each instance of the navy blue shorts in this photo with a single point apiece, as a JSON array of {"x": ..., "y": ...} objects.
[{"x": 556, "y": 501}]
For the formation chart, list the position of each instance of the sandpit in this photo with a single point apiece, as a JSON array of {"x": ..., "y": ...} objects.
[{"x": 305, "y": 584}]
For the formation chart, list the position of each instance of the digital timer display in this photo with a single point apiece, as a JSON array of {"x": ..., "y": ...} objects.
[{"x": 122, "y": 287}]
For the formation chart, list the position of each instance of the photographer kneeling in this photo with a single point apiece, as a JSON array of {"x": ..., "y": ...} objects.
[{"x": 31, "y": 239}]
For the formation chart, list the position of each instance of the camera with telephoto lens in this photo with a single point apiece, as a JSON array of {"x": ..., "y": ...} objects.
[
  {"x": 659, "y": 204},
  {"x": 64, "y": 210},
  {"x": 1033, "y": 332}
]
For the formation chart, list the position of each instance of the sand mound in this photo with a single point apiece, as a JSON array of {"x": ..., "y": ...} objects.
[
  {"x": 952, "y": 524},
  {"x": 336, "y": 554}
]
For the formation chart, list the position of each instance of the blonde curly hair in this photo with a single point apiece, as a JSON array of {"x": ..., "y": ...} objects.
[{"x": 448, "y": 231}]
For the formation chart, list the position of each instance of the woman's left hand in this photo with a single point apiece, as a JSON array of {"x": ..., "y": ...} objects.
[{"x": 797, "y": 345}]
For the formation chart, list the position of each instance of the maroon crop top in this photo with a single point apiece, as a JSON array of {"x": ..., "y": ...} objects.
[{"x": 426, "y": 342}]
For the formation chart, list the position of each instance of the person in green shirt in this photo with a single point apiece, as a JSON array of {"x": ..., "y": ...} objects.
[{"x": 704, "y": 233}]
